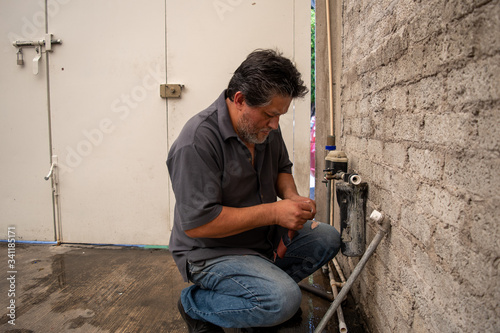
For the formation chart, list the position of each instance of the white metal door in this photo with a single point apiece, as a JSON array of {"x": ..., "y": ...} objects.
[
  {"x": 25, "y": 197},
  {"x": 109, "y": 123},
  {"x": 206, "y": 42}
]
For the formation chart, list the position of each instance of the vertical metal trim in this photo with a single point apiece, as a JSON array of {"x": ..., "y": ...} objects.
[
  {"x": 167, "y": 128},
  {"x": 56, "y": 212},
  {"x": 166, "y": 70}
]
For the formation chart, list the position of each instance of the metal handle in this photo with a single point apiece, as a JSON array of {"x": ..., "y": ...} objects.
[
  {"x": 21, "y": 43},
  {"x": 51, "y": 171}
]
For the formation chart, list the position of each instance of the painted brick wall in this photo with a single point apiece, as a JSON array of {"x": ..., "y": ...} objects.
[{"x": 421, "y": 124}]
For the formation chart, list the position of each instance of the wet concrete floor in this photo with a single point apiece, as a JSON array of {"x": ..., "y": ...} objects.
[{"x": 76, "y": 288}]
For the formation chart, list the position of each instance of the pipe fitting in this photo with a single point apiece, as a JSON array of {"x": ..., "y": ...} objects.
[
  {"x": 379, "y": 217},
  {"x": 351, "y": 178},
  {"x": 354, "y": 179}
]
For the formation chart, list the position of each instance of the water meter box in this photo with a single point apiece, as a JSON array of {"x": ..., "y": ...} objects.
[
  {"x": 352, "y": 203},
  {"x": 336, "y": 161}
]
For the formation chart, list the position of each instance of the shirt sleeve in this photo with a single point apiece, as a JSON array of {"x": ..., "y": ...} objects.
[
  {"x": 284, "y": 163},
  {"x": 196, "y": 182}
]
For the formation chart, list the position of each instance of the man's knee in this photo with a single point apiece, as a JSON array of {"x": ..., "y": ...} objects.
[
  {"x": 290, "y": 301},
  {"x": 281, "y": 304},
  {"x": 329, "y": 239}
]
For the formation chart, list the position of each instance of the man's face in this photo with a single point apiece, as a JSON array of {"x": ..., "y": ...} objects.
[{"x": 255, "y": 123}]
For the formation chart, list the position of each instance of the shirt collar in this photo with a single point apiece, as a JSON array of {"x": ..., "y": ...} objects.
[{"x": 225, "y": 125}]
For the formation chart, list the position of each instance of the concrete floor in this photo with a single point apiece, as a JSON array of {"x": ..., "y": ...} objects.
[{"x": 75, "y": 288}]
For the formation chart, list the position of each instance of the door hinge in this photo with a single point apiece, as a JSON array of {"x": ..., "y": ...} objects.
[{"x": 171, "y": 90}]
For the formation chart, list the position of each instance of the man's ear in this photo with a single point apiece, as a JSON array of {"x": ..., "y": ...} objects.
[{"x": 239, "y": 99}]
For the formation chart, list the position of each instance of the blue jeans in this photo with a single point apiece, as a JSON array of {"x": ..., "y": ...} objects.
[{"x": 251, "y": 291}]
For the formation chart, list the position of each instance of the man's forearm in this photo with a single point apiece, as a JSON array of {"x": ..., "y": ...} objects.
[
  {"x": 285, "y": 186},
  {"x": 232, "y": 221},
  {"x": 291, "y": 214}
]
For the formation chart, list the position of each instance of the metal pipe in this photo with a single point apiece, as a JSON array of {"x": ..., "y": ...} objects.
[
  {"x": 328, "y": 202},
  {"x": 330, "y": 69},
  {"x": 54, "y": 176},
  {"x": 340, "y": 313},
  {"x": 20, "y": 43},
  {"x": 316, "y": 292},
  {"x": 330, "y": 217},
  {"x": 351, "y": 178},
  {"x": 328, "y": 212},
  {"x": 384, "y": 225}
]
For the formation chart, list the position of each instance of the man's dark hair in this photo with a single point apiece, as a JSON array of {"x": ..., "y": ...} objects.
[{"x": 264, "y": 74}]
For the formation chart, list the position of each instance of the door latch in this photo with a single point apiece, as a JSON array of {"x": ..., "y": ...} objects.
[
  {"x": 47, "y": 42},
  {"x": 51, "y": 170},
  {"x": 171, "y": 90}
]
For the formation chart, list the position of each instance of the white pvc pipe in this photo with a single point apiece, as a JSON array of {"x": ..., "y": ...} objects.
[
  {"x": 340, "y": 313},
  {"x": 339, "y": 270},
  {"x": 383, "y": 229}
]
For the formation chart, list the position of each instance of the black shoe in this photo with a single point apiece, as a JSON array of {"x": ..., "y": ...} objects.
[{"x": 197, "y": 326}]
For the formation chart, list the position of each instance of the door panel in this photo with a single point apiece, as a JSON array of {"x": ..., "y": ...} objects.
[
  {"x": 109, "y": 123},
  {"x": 206, "y": 42},
  {"x": 109, "y": 127},
  {"x": 25, "y": 197}
]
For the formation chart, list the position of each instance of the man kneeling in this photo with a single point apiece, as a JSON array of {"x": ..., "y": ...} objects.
[{"x": 228, "y": 167}]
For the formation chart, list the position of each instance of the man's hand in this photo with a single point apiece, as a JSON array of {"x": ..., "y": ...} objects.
[
  {"x": 290, "y": 213},
  {"x": 311, "y": 202},
  {"x": 294, "y": 212}
]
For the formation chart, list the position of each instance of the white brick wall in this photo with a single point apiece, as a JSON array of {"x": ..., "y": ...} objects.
[{"x": 420, "y": 123}]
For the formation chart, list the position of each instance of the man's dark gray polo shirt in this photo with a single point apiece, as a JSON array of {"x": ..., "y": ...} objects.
[{"x": 210, "y": 167}]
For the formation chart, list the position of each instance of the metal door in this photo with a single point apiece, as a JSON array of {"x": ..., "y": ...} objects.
[
  {"x": 206, "y": 42},
  {"x": 25, "y": 197},
  {"x": 109, "y": 123},
  {"x": 104, "y": 121}
]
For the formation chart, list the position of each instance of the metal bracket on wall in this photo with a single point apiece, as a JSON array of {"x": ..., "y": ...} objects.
[{"x": 171, "y": 90}]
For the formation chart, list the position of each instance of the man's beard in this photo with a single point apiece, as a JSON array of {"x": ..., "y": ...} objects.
[{"x": 248, "y": 132}]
